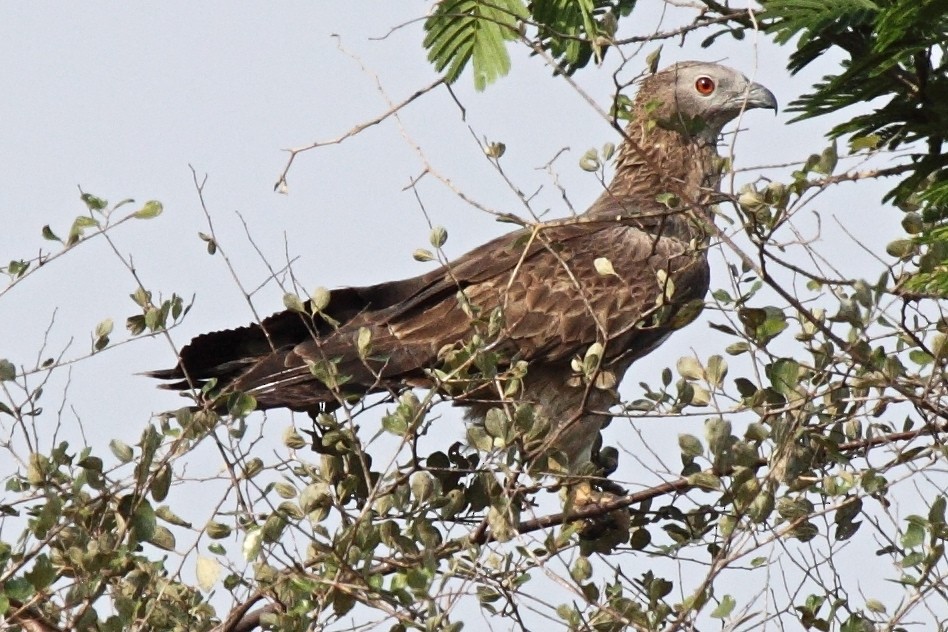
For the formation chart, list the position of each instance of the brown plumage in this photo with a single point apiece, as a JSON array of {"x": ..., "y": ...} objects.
[{"x": 541, "y": 284}]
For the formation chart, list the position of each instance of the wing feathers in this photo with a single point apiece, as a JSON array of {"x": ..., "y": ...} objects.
[{"x": 555, "y": 304}]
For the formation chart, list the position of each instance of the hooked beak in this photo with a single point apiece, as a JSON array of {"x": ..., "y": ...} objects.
[{"x": 757, "y": 96}]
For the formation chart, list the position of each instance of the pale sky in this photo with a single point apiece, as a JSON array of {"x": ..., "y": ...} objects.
[{"x": 121, "y": 98}]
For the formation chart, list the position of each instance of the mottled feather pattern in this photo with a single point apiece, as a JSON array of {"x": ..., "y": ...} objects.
[{"x": 651, "y": 224}]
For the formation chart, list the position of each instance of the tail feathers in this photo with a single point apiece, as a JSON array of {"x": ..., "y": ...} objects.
[
  {"x": 319, "y": 375},
  {"x": 225, "y": 354},
  {"x": 315, "y": 374}
]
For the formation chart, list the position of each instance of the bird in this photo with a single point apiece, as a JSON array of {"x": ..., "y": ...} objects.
[{"x": 559, "y": 309}]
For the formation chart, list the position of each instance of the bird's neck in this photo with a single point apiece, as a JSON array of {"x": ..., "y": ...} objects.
[{"x": 662, "y": 172}]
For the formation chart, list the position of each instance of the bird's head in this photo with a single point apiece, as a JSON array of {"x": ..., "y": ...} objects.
[{"x": 699, "y": 98}]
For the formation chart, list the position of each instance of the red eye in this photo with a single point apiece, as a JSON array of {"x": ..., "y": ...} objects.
[{"x": 704, "y": 85}]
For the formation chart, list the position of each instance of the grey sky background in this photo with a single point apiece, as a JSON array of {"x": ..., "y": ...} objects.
[{"x": 121, "y": 98}]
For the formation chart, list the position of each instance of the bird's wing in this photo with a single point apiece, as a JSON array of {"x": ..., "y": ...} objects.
[
  {"x": 555, "y": 299},
  {"x": 570, "y": 286}
]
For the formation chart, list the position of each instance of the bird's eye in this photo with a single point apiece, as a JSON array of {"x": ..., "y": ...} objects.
[{"x": 704, "y": 85}]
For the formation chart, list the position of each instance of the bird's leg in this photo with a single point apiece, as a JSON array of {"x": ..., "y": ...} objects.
[
  {"x": 601, "y": 533},
  {"x": 604, "y": 532}
]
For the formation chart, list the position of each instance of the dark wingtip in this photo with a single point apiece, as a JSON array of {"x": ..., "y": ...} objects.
[{"x": 164, "y": 374}]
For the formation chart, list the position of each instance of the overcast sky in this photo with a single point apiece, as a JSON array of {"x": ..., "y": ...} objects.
[{"x": 122, "y": 99}]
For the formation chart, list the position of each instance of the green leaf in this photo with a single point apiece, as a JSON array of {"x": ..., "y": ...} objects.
[
  {"x": 718, "y": 434},
  {"x": 589, "y": 161},
  {"x": 700, "y": 396},
  {"x": 784, "y": 375},
  {"x": 252, "y": 542},
  {"x": 790, "y": 17},
  {"x": 870, "y": 141},
  {"x": 254, "y": 466},
  {"x": 42, "y": 574},
  {"x": 936, "y": 514},
  {"x": 689, "y": 368},
  {"x": 422, "y": 486},
  {"x": 17, "y": 269},
  {"x": 364, "y": 342},
  {"x": 669, "y": 200},
  {"x": 18, "y": 588},
  {"x": 876, "y": 606},
  {"x": 150, "y": 210},
  {"x": 652, "y": 60},
  {"x": 395, "y": 424},
  {"x": 761, "y": 506},
  {"x": 476, "y": 435},
  {"x": 92, "y": 202},
  {"x": 164, "y": 513},
  {"x": 914, "y": 535},
  {"x": 7, "y": 370},
  {"x": 604, "y": 267},
  {"x": 285, "y": 490},
  {"x": 690, "y": 445},
  {"x": 828, "y": 159},
  {"x": 292, "y": 302},
  {"x": 78, "y": 228},
  {"x": 913, "y": 223},
  {"x": 292, "y": 439},
  {"x": 273, "y": 528},
  {"x": 162, "y": 538},
  {"x": 48, "y": 234},
  {"x": 319, "y": 299},
  {"x": 705, "y": 480},
  {"x": 104, "y": 328},
  {"x": 901, "y": 248},
  {"x": 737, "y": 348},
  {"x": 438, "y": 236},
  {"x": 217, "y": 530},
  {"x": 423, "y": 255},
  {"x": 500, "y": 525},
  {"x": 496, "y": 423},
  {"x": 314, "y": 496},
  {"x": 724, "y": 609},
  {"x": 794, "y": 508},
  {"x": 93, "y": 463},
  {"x": 141, "y": 297},
  {"x": 582, "y": 569},
  {"x": 763, "y": 324},
  {"x": 473, "y": 31},
  {"x": 716, "y": 370},
  {"x": 495, "y": 150},
  {"x": 240, "y": 404},
  {"x": 208, "y": 571},
  {"x": 161, "y": 483},
  {"x": 122, "y": 451},
  {"x": 144, "y": 522},
  {"x": 576, "y": 32}
]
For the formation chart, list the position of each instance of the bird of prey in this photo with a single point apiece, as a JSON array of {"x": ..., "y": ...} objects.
[{"x": 573, "y": 302}]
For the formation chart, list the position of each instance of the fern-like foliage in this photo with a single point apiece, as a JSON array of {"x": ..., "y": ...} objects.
[
  {"x": 576, "y": 32},
  {"x": 898, "y": 60},
  {"x": 814, "y": 19},
  {"x": 476, "y": 32},
  {"x": 897, "y": 54},
  {"x": 463, "y": 31}
]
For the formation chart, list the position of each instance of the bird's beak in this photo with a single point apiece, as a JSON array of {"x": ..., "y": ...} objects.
[{"x": 757, "y": 96}]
